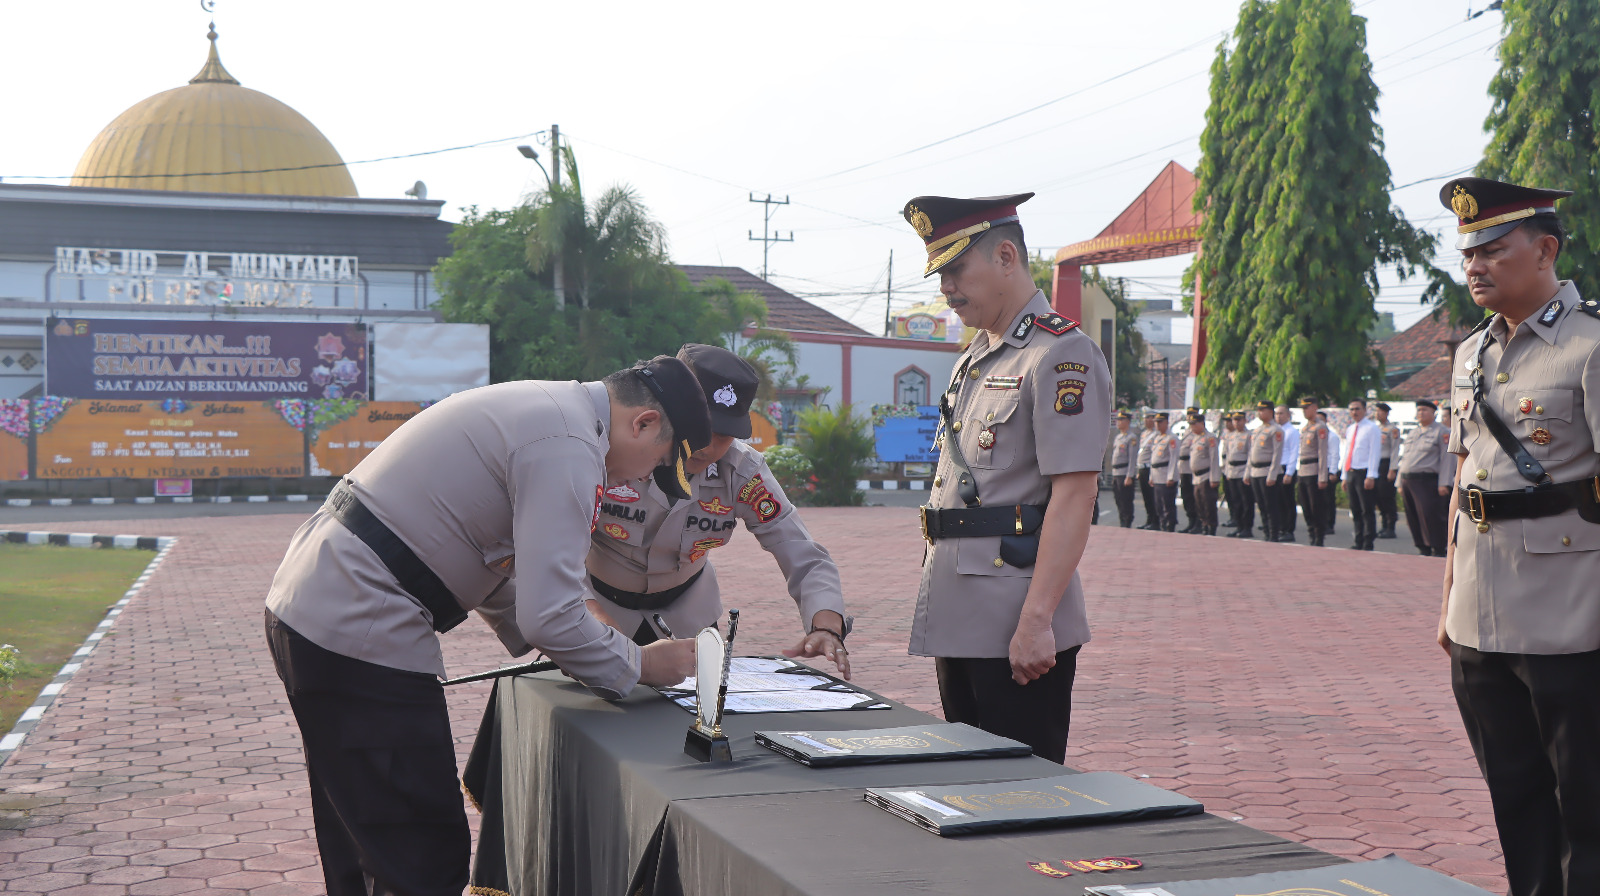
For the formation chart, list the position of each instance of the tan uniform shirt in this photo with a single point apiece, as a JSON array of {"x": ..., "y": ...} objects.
[
  {"x": 1124, "y": 449},
  {"x": 1236, "y": 454},
  {"x": 1203, "y": 459},
  {"x": 1164, "y": 459},
  {"x": 1146, "y": 437},
  {"x": 1265, "y": 442},
  {"x": 1184, "y": 444},
  {"x": 1389, "y": 448},
  {"x": 1046, "y": 399},
  {"x": 478, "y": 485},
  {"x": 1424, "y": 451},
  {"x": 1314, "y": 452},
  {"x": 1528, "y": 585},
  {"x": 644, "y": 543}
]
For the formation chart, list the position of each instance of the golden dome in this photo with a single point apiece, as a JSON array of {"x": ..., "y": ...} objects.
[{"x": 214, "y": 136}]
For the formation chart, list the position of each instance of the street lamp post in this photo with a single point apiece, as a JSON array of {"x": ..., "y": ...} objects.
[{"x": 532, "y": 155}]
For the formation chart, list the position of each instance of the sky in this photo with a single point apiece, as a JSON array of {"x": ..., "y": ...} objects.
[{"x": 845, "y": 109}]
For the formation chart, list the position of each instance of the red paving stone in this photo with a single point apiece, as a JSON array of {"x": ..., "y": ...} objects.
[{"x": 1297, "y": 690}]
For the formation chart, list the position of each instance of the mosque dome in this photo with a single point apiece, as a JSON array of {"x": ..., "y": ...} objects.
[{"x": 214, "y": 135}]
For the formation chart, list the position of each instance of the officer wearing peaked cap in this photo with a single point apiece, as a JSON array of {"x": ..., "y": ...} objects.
[
  {"x": 650, "y": 560},
  {"x": 1520, "y": 618},
  {"x": 1001, "y": 605},
  {"x": 483, "y": 502},
  {"x": 1124, "y": 450}
]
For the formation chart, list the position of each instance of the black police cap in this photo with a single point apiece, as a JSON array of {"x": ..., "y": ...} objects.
[
  {"x": 729, "y": 384},
  {"x": 1487, "y": 210},
  {"x": 1427, "y": 403},
  {"x": 680, "y": 395}
]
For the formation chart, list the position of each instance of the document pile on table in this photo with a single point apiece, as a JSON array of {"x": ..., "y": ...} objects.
[{"x": 775, "y": 684}]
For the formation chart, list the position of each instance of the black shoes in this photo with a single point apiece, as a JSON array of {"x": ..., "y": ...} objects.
[{"x": 1387, "y": 532}]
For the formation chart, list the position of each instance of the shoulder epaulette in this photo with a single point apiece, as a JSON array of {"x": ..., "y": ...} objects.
[
  {"x": 1590, "y": 307},
  {"x": 1054, "y": 323}
]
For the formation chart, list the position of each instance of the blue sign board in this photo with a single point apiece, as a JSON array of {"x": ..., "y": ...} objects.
[{"x": 908, "y": 439}]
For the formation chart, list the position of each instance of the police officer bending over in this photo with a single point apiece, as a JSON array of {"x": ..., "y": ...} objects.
[
  {"x": 488, "y": 483},
  {"x": 650, "y": 558},
  {"x": 1000, "y": 604},
  {"x": 1521, "y": 610}
]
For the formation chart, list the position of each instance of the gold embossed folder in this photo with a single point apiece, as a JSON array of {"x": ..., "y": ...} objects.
[
  {"x": 1081, "y": 799},
  {"x": 941, "y": 740}
]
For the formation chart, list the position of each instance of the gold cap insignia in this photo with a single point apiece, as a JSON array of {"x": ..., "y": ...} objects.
[
  {"x": 920, "y": 222},
  {"x": 1462, "y": 203}
]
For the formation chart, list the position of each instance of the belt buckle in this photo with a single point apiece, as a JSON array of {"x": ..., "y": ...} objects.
[
  {"x": 1475, "y": 508},
  {"x": 922, "y": 517}
]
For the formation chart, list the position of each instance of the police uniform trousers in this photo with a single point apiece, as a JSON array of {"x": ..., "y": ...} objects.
[
  {"x": 979, "y": 691},
  {"x": 1186, "y": 492},
  {"x": 1286, "y": 506},
  {"x": 1205, "y": 496},
  {"x": 1124, "y": 496},
  {"x": 1330, "y": 504},
  {"x": 1426, "y": 512},
  {"x": 385, "y": 798},
  {"x": 1363, "y": 507},
  {"x": 1388, "y": 515},
  {"x": 1267, "y": 500},
  {"x": 1311, "y": 501},
  {"x": 1148, "y": 493},
  {"x": 1534, "y": 724},
  {"x": 1167, "y": 506},
  {"x": 1240, "y": 502}
]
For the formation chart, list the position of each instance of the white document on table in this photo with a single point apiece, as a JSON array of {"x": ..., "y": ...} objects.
[{"x": 792, "y": 701}]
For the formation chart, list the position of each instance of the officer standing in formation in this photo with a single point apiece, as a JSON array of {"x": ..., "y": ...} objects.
[
  {"x": 1265, "y": 444},
  {"x": 1124, "y": 453},
  {"x": 1289, "y": 464},
  {"x": 1311, "y": 480},
  {"x": 1388, "y": 470},
  {"x": 1163, "y": 474},
  {"x": 435, "y": 522},
  {"x": 1362, "y": 452},
  {"x": 650, "y": 559},
  {"x": 1186, "y": 476},
  {"x": 1424, "y": 466},
  {"x": 1147, "y": 439},
  {"x": 1240, "y": 500},
  {"x": 1207, "y": 472},
  {"x": 1023, "y": 443},
  {"x": 1330, "y": 507},
  {"x": 1520, "y": 616}
]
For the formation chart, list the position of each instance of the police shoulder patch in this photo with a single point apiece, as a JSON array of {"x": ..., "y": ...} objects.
[
  {"x": 1054, "y": 323},
  {"x": 1065, "y": 366},
  {"x": 1069, "y": 397}
]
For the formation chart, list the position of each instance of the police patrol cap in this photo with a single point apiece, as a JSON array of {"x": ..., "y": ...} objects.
[
  {"x": 1124, "y": 414},
  {"x": 1264, "y": 405},
  {"x": 729, "y": 384},
  {"x": 1487, "y": 210},
  {"x": 1427, "y": 403},
  {"x": 1309, "y": 401},
  {"x": 949, "y": 226},
  {"x": 671, "y": 382},
  {"x": 1381, "y": 406}
]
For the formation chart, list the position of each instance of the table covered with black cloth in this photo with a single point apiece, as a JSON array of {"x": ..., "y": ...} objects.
[{"x": 584, "y": 796}]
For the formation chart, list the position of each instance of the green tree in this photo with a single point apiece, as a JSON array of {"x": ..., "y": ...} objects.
[
  {"x": 1131, "y": 388},
  {"x": 741, "y": 320},
  {"x": 1298, "y": 221},
  {"x": 839, "y": 446},
  {"x": 1542, "y": 123},
  {"x": 625, "y": 299}
]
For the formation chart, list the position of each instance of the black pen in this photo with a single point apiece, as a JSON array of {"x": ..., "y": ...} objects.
[{"x": 662, "y": 624}]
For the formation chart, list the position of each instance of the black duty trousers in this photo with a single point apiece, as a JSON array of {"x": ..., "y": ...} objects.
[
  {"x": 1426, "y": 511},
  {"x": 1363, "y": 506},
  {"x": 1534, "y": 724},
  {"x": 1205, "y": 495},
  {"x": 1388, "y": 514},
  {"x": 384, "y": 792},
  {"x": 1311, "y": 500},
  {"x": 1240, "y": 503},
  {"x": 1148, "y": 493},
  {"x": 1167, "y": 505},
  {"x": 980, "y": 692},
  {"x": 1124, "y": 496},
  {"x": 1267, "y": 500},
  {"x": 1286, "y": 506},
  {"x": 1186, "y": 492}
]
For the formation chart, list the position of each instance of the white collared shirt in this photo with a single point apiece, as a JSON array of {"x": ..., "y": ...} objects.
[
  {"x": 1289, "y": 459},
  {"x": 1368, "y": 448}
]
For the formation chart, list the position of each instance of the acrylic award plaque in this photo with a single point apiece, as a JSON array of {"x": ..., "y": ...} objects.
[{"x": 705, "y": 740}]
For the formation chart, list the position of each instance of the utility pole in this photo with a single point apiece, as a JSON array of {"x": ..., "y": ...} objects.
[
  {"x": 765, "y": 239},
  {"x": 888, "y": 298},
  {"x": 555, "y": 187}
]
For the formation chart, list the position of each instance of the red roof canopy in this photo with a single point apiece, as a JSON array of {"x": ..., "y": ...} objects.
[{"x": 1160, "y": 223}]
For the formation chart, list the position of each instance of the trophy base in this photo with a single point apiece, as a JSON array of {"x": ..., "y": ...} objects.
[{"x": 707, "y": 747}]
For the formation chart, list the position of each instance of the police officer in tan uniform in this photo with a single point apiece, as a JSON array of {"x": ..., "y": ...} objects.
[
  {"x": 1207, "y": 471},
  {"x": 1001, "y": 605},
  {"x": 1164, "y": 475},
  {"x": 1424, "y": 469},
  {"x": 1124, "y": 453},
  {"x": 1521, "y": 609},
  {"x": 1266, "y": 441},
  {"x": 1186, "y": 476},
  {"x": 483, "y": 502},
  {"x": 650, "y": 561},
  {"x": 1147, "y": 439},
  {"x": 1236, "y": 470},
  {"x": 1388, "y": 470},
  {"x": 1311, "y": 480}
]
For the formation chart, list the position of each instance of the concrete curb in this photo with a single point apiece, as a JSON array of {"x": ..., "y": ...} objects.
[
  {"x": 207, "y": 499},
  {"x": 162, "y": 546}
]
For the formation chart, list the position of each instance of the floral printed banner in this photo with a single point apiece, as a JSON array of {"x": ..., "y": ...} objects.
[
  {"x": 14, "y": 431},
  {"x": 168, "y": 439}
]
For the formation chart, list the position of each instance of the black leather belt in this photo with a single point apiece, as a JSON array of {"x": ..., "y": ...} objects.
[
  {"x": 1236, "y": 463},
  {"x": 1183, "y": 457},
  {"x": 1419, "y": 474},
  {"x": 1160, "y": 465},
  {"x": 407, "y": 568},
  {"x": 1115, "y": 468},
  {"x": 1481, "y": 506},
  {"x": 978, "y": 522},
  {"x": 1261, "y": 466},
  {"x": 645, "y": 602}
]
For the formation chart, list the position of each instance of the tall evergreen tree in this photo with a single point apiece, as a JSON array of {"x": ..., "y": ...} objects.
[
  {"x": 1297, "y": 218},
  {"x": 1542, "y": 122}
]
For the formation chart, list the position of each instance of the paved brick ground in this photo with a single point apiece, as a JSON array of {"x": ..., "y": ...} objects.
[{"x": 1294, "y": 689}]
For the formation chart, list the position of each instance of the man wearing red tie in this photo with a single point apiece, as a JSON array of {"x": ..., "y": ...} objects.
[{"x": 1362, "y": 453}]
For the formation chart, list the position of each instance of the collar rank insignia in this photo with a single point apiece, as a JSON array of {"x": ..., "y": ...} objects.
[
  {"x": 716, "y": 506},
  {"x": 1552, "y": 311},
  {"x": 1055, "y": 324},
  {"x": 1048, "y": 870},
  {"x": 711, "y": 471},
  {"x": 1021, "y": 331}
]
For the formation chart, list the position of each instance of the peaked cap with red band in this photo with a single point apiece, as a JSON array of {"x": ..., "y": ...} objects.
[
  {"x": 949, "y": 226},
  {"x": 1487, "y": 210}
]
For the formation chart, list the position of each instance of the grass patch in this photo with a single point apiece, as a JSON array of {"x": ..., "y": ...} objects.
[{"x": 51, "y": 598}]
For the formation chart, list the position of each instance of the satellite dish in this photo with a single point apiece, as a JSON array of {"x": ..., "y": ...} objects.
[{"x": 419, "y": 190}]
